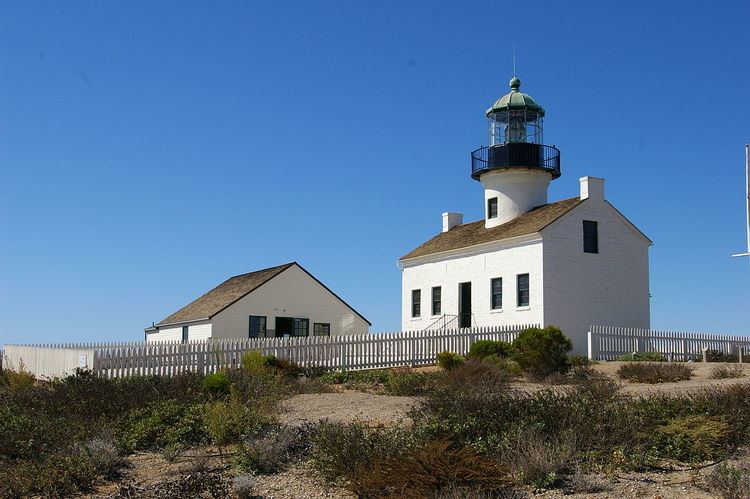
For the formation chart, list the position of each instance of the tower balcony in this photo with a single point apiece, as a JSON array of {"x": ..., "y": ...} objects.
[{"x": 515, "y": 155}]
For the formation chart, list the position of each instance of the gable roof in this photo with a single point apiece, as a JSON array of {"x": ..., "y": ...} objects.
[
  {"x": 473, "y": 233},
  {"x": 224, "y": 294},
  {"x": 232, "y": 290}
]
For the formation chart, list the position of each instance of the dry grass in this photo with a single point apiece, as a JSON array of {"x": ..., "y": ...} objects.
[
  {"x": 727, "y": 371},
  {"x": 654, "y": 372}
]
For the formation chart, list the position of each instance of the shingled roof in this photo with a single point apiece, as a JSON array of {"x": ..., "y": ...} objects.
[
  {"x": 473, "y": 233},
  {"x": 224, "y": 295}
]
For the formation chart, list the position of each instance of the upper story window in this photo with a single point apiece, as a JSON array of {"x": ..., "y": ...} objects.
[
  {"x": 496, "y": 293},
  {"x": 492, "y": 208},
  {"x": 437, "y": 304},
  {"x": 522, "y": 290},
  {"x": 590, "y": 236},
  {"x": 416, "y": 303}
]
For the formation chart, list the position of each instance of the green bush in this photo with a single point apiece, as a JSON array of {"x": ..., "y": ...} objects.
[
  {"x": 719, "y": 356},
  {"x": 217, "y": 384},
  {"x": 541, "y": 352},
  {"x": 694, "y": 438},
  {"x": 374, "y": 376},
  {"x": 166, "y": 423},
  {"x": 484, "y": 348},
  {"x": 449, "y": 360},
  {"x": 255, "y": 362},
  {"x": 228, "y": 422},
  {"x": 642, "y": 357},
  {"x": 406, "y": 382}
]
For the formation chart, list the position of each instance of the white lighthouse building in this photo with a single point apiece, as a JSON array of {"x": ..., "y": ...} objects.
[{"x": 570, "y": 263}]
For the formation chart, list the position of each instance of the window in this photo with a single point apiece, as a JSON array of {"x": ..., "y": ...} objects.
[
  {"x": 301, "y": 327},
  {"x": 321, "y": 329},
  {"x": 523, "y": 290},
  {"x": 590, "y": 237},
  {"x": 184, "y": 334},
  {"x": 416, "y": 303},
  {"x": 257, "y": 327},
  {"x": 436, "y": 301},
  {"x": 492, "y": 208},
  {"x": 496, "y": 293}
]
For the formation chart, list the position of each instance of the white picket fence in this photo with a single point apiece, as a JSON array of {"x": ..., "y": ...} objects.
[
  {"x": 608, "y": 343},
  {"x": 370, "y": 351}
]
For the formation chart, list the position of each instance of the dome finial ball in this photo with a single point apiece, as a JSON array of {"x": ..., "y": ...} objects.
[{"x": 515, "y": 83}]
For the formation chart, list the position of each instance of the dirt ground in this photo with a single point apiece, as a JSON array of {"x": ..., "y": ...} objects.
[{"x": 146, "y": 471}]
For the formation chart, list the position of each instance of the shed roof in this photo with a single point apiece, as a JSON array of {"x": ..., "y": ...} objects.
[
  {"x": 473, "y": 233},
  {"x": 232, "y": 290}
]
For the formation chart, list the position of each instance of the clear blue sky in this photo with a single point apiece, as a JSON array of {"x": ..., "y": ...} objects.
[{"x": 149, "y": 150}]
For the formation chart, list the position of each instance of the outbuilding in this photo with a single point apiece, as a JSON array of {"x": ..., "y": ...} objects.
[{"x": 279, "y": 301}]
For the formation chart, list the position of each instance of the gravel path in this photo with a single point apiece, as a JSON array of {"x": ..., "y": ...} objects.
[{"x": 347, "y": 407}]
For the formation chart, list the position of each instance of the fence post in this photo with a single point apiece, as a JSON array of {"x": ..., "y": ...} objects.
[
  {"x": 591, "y": 344},
  {"x": 705, "y": 354},
  {"x": 739, "y": 354}
]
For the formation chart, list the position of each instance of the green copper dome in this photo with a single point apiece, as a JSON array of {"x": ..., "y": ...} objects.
[{"x": 515, "y": 100}]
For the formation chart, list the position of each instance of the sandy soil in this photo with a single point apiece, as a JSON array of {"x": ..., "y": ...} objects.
[{"x": 347, "y": 407}]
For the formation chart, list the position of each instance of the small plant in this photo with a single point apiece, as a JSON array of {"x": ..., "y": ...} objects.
[
  {"x": 405, "y": 382},
  {"x": 474, "y": 375},
  {"x": 485, "y": 348},
  {"x": 732, "y": 482},
  {"x": 163, "y": 424},
  {"x": 271, "y": 451},
  {"x": 541, "y": 352},
  {"x": 228, "y": 422},
  {"x": 539, "y": 462},
  {"x": 217, "y": 384},
  {"x": 16, "y": 381},
  {"x": 719, "y": 356},
  {"x": 645, "y": 372},
  {"x": 642, "y": 357},
  {"x": 449, "y": 360},
  {"x": 371, "y": 377},
  {"x": 727, "y": 371},
  {"x": 694, "y": 438}
]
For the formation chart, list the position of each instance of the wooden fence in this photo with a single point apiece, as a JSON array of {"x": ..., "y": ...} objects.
[
  {"x": 369, "y": 351},
  {"x": 608, "y": 343}
]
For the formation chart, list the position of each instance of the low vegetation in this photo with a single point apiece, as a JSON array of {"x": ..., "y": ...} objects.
[
  {"x": 642, "y": 357},
  {"x": 650, "y": 372},
  {"x": 727, "y": 371}
]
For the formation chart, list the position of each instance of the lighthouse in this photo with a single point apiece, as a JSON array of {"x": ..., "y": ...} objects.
[{"x": 515, "y": 168}]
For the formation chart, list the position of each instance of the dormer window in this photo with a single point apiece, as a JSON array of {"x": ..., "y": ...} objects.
[{"x": 492, "y": 208}]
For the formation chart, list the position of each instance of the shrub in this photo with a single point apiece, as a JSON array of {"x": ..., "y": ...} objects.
[
  {"x": 255, "y": 362},
  {"x": 725, "y": 372},
  {"x": 484, "y": 348},
  {"x": 217, "y": 384},
  {"x": 732, "y": 482},
  {"x": 474, "y": 375},
  {"x": 407, "y": 382},
  {"x": 369, "y": 377},
  {"x": 166, "y": 423},
  {"x": 537, "y": 461},
  {"x": 541, "y": 352},
  {"x": 16, "y": 381},
  {"x": 449, "y": 360},
  {"x": 228, "y": 422},
  {"x": 269, "y": 452},
  {"x": 579, "y": 360},
  {"x": 642, "y": 357},
  {"x": 694, "y": 438},
  {"x": 719, "y": 356},
  {"x": 642, "y": 372}
]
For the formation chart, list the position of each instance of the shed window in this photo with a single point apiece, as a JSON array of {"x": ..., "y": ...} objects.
[
  {"x": 492, "y": 208},
  {"x": 436, "y": 300},
  {"x": 590, "y": 237},
  {"x": 523, "y": 290},
  {"x": 321, "y": 329},
  {"x": 184, "y": 334},
  {"x": 301, "y": 327},
  {"x": 416, "y": 303},
  {"x": 257, "y": 328},
  {"x": 496, "y": 293}
]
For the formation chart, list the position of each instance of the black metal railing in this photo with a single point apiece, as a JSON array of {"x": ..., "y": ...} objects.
[{"x": 515, "y": 155}]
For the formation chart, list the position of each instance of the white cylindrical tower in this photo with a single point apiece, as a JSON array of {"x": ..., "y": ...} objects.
[{"x": 516, "y": 168}]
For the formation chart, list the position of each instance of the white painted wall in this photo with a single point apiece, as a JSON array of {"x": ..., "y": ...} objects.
[
  {"x": 517, "y": 191},
  {"x": 292, "y": 293},
  {"x": 608, "y": 288},
  {"x": 505, "y": 259},
  {"x": 199, "y": 330},
  {"x": 48, "y": 362}
]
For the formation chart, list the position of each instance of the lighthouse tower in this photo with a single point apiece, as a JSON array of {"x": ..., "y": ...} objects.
[{"x": 516, "y": 167}]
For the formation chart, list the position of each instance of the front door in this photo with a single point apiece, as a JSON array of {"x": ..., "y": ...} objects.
[
  {"x": 284, "y": 326},
  {"x": 464, "y": 304}
]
